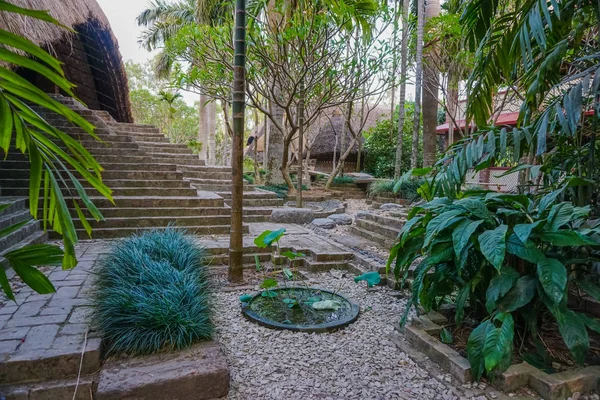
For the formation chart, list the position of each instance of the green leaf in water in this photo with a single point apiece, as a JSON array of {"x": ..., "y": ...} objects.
[
  {"x": 326, "y": 305},
  {"x": 268, "y": 293},
  {"x": 372, "y": 278},
  {"x": 290, "y": 302}
]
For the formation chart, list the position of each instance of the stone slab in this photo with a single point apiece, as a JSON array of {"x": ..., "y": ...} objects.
[{"x": 199, "y": 372}]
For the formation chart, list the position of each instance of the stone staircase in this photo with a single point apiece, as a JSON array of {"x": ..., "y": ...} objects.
[
  {"x": 379, "y": 228},
  {"x": 155, "y": 183},
  {"x": 29, "y": 233}
]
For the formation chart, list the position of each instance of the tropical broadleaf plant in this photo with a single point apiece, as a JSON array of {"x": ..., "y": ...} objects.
[
  {"x": 55, "y": 158},
  {"x": 500, "y": 254}
]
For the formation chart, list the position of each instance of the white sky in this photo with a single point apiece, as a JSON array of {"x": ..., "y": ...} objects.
[{"x": 122, "y": 14}]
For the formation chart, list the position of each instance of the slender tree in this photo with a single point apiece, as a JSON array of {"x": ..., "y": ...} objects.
[
  {"x": 430, "y": 93},
  {"x": 418, "y": 82},
  {"x": 403, "y": 78},
  {"x": 236, "y": 245}
]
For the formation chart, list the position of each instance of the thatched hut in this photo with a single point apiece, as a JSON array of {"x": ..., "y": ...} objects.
[
  {"x": 323, "y": 141},
  {"x": 326, "y": 135},
  {"x": 90, "y": 54}
]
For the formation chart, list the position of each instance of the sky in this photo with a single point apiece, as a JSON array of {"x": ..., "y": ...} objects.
[{"x": 122, "y": 14}]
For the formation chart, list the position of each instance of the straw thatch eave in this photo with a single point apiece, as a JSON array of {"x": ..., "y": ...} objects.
[{"x": 81, "y": 16}]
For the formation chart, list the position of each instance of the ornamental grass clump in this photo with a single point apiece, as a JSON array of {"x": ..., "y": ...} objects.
[{"x": 152, "y": 294}]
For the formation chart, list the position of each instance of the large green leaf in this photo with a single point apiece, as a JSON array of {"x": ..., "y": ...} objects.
[
  {"x": 590, "y": 288},
  {"x": 529, "y": 253},
  {"x": 573, "y": 331},
  {"x": 462, "y": 233},
  {"x": 5, "y": 285},
  {"x": 475, "y": 345},
  {"x": 492, "y": 244},
  {"x": 499, "y": 286},
  {"x": 476, "y": 207},
  {"x": 498, "y": 344},
  {"x": 33, "y": 277},
  {"x": 520, "y": 295},
  {"x": 524, "y": 230},
  {"x": 553, "y": 277},
  {"x": 441, "y": 222},
  {"x": 566, "y": 237},
  {"x": 560, "y": 214},
  {"x": 274, "y": 236}
]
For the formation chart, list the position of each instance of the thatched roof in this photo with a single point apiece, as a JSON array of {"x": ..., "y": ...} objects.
[
  {"x": 82, "y": 16},
  {"x": 327, "y": 131}
]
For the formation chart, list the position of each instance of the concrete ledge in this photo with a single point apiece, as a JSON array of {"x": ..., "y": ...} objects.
[
  {"x": 199, "y": 372},
  {"x": 423, "y": 335}
]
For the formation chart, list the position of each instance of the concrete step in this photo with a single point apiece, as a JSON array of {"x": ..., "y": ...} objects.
[
  {"x": 142, "y": 140},
  {"x": 37, "y": 237},
  {"x": 122, "y": 212},
  {"x": 14, "y": 238},
  {"x": 14, "y": 218},
  {"x": 386, "y": 221},
  {"x": 16, "y": 204},
  {"x": 169, "y": 149},
  {"x": 207, "y": 169},
  {"x": 156, "y": 202},
  {"x": 54, "y": 389},
  {"x": 316, "y": 266},
  {"x": 258, "y": 211},
  {"x": 248, "y": 259},
  {"x": 374, "y": 237},
  {"x": 55, "y": 364},
  {"x": 159, "y": 221},
  {"x": 113, "y": 233},
  {"x": 250, "y": 194},
  {"x": 117, "y": 191},
  {"x": 262, "y": 202},
  {"x": 372, "y": 226},
  {"x": 142, "y": 175},
  {"x": 134, "y": 128}
]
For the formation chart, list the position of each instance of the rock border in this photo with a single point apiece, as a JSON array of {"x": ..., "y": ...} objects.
[{"x": 423, "y": 332}]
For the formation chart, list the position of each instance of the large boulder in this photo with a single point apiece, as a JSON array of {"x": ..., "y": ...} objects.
[
  {"x": 324, "y": 223},
  {"x": 341, "y": 219},
  {"x": 290, "y": 215}
]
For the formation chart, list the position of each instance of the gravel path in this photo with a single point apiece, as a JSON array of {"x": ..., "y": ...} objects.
[{"x": 359, "y": 362}]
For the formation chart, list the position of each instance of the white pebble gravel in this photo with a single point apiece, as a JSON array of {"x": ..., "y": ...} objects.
[{"x": 358, "y": 362}]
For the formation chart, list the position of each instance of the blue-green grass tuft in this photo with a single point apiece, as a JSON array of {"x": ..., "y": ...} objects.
[{"x": 152, "y": 294}]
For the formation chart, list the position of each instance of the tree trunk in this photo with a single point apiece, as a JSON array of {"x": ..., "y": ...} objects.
[
  {"x": 275, "y": 148},
  {"x": 255, "y": 141},
  {"x": 300, "y": 145},
  {"x": 203, "y": 128},
  {"x": 340, "y": 164},
  {"x": 453, "y": 83},
  {"x": 418, "y": 84},
  {"x": 430, "y": 95},
  {"x": 394, "y": 66},
  {"x": 403, "y": 78},
  {"x": 285, "y": 166},
  {"x": 211, "y": 116},
  {"x": 236, "y": 245}
]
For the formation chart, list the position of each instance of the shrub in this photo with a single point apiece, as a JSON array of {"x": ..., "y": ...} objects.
[
  {"x": 381, "y": 186},
  {"x": 342, "y": 180},
  {"x": 249, "y": 178},
  {"x": 381, "y": 141},
  {"x": 152, "y": 293},
  {"x": 514, "y": 260},
  {"x": 407, "y": 189},
  {"x": 248, "y": 164}
]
